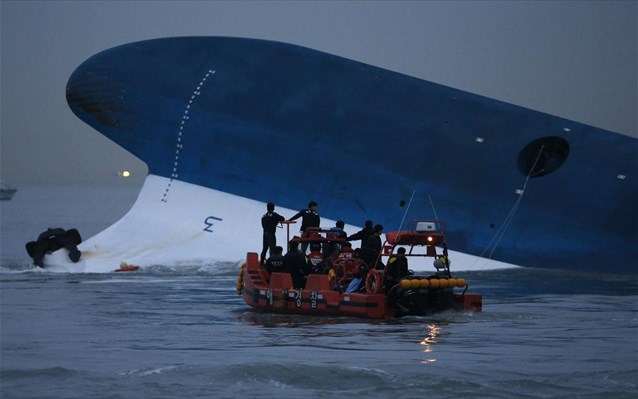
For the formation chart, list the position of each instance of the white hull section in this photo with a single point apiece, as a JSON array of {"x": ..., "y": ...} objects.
[{"x": 175, "y": 224}]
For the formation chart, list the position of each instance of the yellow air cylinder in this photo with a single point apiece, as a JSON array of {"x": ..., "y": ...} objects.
[
  {"x": 240, "y": 279},
  {"x": 460, "y": 282},
  {"x": 406, "y": 283},
  {"x": 425, "y": 283},
  {"x": 434, "y": 283},
  {"x": 415, "y": 283}
]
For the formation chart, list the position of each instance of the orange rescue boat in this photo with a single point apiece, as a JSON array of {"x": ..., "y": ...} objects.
[{"x": 325, "y": 293}]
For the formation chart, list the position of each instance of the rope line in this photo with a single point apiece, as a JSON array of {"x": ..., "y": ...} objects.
[
  {"x": 406, "y": 210},
  {"x": 500, "y": 233}
]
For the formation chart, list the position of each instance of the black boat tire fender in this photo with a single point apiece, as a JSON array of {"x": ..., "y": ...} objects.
[
  {"x": 373, "y": 282},
  {"x": 52, "y": 240}
]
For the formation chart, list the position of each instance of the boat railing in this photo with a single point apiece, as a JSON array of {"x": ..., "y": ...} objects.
[
  {"x": 319, "y": 234},
  {"x": 423, "y": 238}
]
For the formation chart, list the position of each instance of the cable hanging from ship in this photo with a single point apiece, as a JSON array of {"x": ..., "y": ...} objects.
[
  {"x": 500, "y": 233},
  {"x": 406, "y": 209}
]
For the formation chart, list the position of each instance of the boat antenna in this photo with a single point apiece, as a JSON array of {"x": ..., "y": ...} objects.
[
  {"x": 406, "y": 209},
  {"x": 433, "y": 208}
]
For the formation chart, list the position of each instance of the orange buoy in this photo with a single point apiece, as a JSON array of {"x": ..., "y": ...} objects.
[
  {"x": 373, "y": 282},
  {"x": 125, "y": 267}
]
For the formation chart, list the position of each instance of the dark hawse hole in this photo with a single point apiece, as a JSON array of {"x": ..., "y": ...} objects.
[
  {"x": 402, "y": 203},
  {"x": 543, "y": 156}
]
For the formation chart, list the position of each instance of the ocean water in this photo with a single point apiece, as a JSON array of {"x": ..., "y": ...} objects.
[{"x": 183, "y": 332}]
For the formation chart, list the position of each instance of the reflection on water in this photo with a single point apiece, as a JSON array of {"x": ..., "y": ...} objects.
[
  {"x": 428, "y": 343},
  {"x": 287, "y": 320}
]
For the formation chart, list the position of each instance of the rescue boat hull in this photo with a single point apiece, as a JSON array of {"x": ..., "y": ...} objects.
[{"x": 275, "y": 294}]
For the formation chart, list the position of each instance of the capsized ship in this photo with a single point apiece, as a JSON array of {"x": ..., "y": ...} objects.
[{"x": 220, "y": 119}]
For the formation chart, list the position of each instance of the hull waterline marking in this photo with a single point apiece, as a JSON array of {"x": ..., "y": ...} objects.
[{"x": 178, "y": 144}]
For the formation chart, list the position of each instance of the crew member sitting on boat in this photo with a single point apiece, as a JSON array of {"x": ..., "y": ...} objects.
[
  {"x": 331, "y": 249},
  {"x": 275, "y": 264},
  {"x": 345, "y": 252},
  {"x": 315, "y": 258},
  {"x": 397, "y": 269}
]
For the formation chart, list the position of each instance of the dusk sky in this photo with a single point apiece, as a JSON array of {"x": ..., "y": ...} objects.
[{"x": 573, "y": 59}]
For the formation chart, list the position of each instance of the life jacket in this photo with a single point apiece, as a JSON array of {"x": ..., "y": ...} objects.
[
  {"x": 346, "y": 253},
  {"x": 315, "y": 257}
]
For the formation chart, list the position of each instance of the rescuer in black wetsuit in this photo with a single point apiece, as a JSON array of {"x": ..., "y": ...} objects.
[
  {"x": 397, "y": 268},
  {"x": 296, "y": 264},
  {"x": 363, "y": 234},
  {"x": 275, "y": 264},
  {"x": 310, "y": 219},
  {"x": 372, "y": 246},
  {"x": 269, "y": 222},
  {"x": 369, "y": 253}
]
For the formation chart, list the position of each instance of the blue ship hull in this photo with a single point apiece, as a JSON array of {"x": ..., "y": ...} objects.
[{"x": 277, "y": 122}]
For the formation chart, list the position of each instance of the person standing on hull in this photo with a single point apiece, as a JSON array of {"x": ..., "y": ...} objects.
[
  {"x": 269, "y": 223},
  {"x": 310, "y": 218},
  {"x": 362, "y": 234}
]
